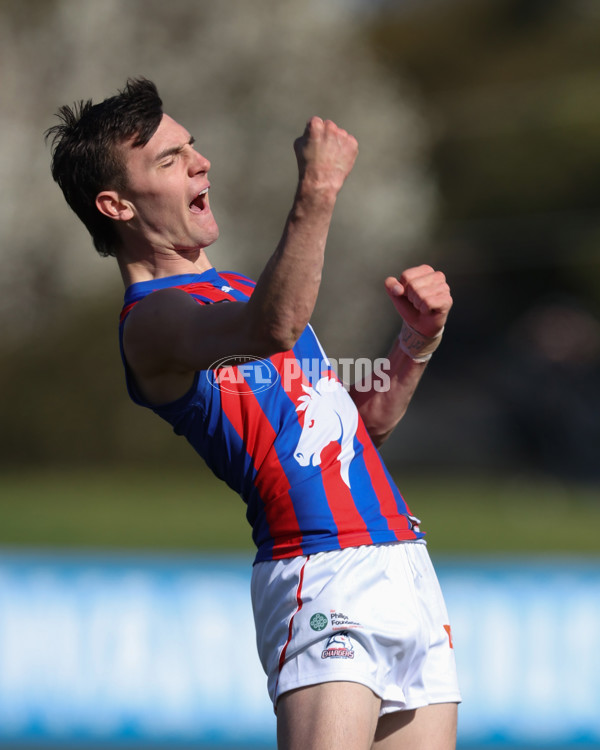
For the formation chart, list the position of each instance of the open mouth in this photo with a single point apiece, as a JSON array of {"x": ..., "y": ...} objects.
[{"x": 200, "y": 202}]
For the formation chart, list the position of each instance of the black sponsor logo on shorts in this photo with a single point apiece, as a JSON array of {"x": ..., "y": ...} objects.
[{"x": 340, "y": 621}]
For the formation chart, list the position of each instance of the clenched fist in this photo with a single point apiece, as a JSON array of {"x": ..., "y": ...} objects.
[
  {"x": 326, "y": 154},
  {"x": 422, "y": 297}
]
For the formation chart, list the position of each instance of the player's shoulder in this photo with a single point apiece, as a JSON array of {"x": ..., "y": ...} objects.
[
  {"x": 156, "y": 317},
  {"x": 161, "y": 303}
]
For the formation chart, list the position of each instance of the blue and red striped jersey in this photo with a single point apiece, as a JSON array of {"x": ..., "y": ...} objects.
[{"x": 283, "y": 433}]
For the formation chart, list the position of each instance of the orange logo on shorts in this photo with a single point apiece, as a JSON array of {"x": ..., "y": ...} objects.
[{"x": 448, "y": 630}]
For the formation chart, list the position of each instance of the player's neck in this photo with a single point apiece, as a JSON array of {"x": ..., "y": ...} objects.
[{"x": 159, "y": 265}]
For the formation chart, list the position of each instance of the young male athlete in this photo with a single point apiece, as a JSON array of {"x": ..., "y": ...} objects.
[{"x": 351, "y": 626}]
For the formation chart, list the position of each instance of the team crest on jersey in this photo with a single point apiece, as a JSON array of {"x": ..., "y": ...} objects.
[
  {"x": 339, "y": 646},
  {"x": 329, "y": 415}
]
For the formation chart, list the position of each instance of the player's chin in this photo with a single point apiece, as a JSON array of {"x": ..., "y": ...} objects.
[
  {"x": 207, "y": 233},
  {"x": 214, "y": 235}
]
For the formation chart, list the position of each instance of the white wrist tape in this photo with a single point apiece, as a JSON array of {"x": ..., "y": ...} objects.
[{"x": 418, "y": 347}]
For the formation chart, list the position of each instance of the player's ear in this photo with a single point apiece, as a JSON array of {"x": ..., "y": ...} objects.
[{"x": 111, "y": 204}]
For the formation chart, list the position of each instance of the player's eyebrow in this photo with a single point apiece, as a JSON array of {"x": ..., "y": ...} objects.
[{"x": 173, "y": 150}]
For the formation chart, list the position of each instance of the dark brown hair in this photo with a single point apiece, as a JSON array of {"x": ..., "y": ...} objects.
[{"x": 86, "y": 154}]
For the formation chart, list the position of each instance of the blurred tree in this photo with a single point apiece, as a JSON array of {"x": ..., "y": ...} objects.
[
  {"x": 480, "y": 151},
  {"x": 511, "y": 86},
  {"x": 244, "y": 78}
]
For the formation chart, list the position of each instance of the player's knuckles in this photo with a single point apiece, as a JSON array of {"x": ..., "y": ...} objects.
[
  {"x": 315, "y": 123},
  {"x": 331, "y": 128},
  {"x": 417, "y": 288},
  {"x": 409, "y": 277},
  {"x": 439, "y": 290},
  {"x": 421, "y": 270},
  {"x": 431, "y": 284},
  {"x": 438, "y": 301},
  {"x": 420, "y": 275},
  {"x": 337, "y": 134},
  {"x": 352, "y": 145}
]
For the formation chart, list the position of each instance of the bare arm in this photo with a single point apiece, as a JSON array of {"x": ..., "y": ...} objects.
[
  {"x": 287, "y": 290},
  {"x": 168, "y": 336},
  {"x": 422, "y": 297}
]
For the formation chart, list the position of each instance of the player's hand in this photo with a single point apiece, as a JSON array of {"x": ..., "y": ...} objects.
[
  {"x": 326, "y": 154},
  {"x": 422, "y": 297}
]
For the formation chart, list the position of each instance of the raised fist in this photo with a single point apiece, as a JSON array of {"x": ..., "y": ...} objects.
[
  {"x": 326, "y": 154},
  {"x": 422, "y": 297}
]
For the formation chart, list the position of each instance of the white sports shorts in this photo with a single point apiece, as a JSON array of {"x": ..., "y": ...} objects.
[{"x": 373, "y": 615}]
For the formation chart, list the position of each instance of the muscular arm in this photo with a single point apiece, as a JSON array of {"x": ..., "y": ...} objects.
[
  {"x": 422, "y": 297},
  {"x": 168, "y": 336},
  {"x": 287, "y": 290}
]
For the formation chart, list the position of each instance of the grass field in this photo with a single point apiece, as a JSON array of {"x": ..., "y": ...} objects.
[{"x": 191, "y": 511}]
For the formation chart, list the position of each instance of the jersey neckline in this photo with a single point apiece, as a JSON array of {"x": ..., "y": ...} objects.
[{"x": 142, "y": 288}]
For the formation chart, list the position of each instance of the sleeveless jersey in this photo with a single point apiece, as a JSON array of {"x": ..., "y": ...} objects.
[{"x": 283, "y": 433}]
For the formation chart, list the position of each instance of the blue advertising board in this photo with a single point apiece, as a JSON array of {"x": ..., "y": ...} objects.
[
  {"x": 103, "y": 649},
  {"x": 526, "y": 635}
]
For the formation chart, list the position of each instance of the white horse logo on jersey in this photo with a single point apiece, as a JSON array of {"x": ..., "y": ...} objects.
[{"x": 329, "y": 414}]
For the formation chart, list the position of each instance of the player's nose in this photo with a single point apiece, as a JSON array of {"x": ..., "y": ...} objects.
[{"x": 199, "y": 164}]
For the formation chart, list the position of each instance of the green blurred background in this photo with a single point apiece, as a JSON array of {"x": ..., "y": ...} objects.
[{"x": 479, "y": 128}]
